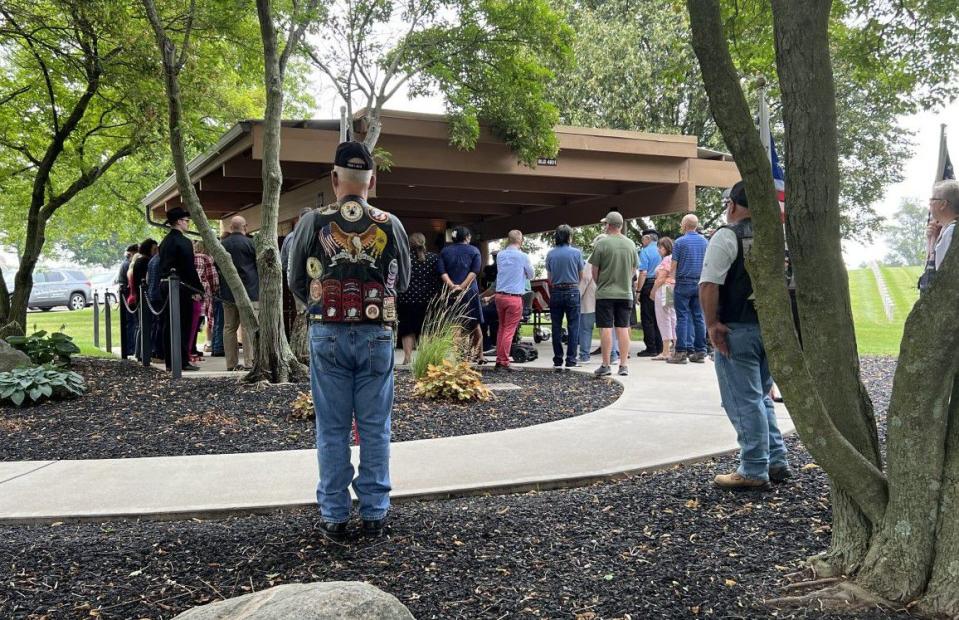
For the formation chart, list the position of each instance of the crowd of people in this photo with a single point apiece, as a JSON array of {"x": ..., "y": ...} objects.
[{"x": 205, "y": 302}]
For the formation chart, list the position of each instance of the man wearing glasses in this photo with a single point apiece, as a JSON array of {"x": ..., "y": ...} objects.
[{"x": 943, "y": 209}]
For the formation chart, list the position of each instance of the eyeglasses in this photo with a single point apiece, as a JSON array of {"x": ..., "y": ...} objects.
[{"x": 934, "y": 198}]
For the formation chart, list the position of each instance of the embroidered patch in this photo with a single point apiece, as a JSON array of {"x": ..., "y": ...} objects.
[
  {"x": 372, "y": 312},
  {"x": 380, "y": 217},
  {"x": 330, "y": 209},
  {"x": 351, "y": 211},
  {"x": 391, "y": 275},
  {"x": 316, "y": 289},
  {"x": 340, "y": 245},
  {"x": 389, "y": 309},
  {"x": 314, "y": 268}
]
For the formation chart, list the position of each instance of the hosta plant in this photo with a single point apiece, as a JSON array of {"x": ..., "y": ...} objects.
[
  {"x": 33, "y": 385},
  {"x": 44, "y": 349},
  {"x": 453, "y": 382}
]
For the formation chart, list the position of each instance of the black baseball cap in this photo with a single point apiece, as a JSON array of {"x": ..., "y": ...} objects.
[
  {"x": 738, "y": 194},
  {"x": 175, "y": 214},
  {"x": 353, "y": 155},
  {"x": 652, "y": 232}
]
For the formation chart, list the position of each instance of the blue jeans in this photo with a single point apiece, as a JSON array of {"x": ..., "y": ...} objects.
[
  {"x": 586, "y": 322},
  {"x": 690, "y": 326},
  {"x": 744, "y": 384},
  {"x": 217, "y": 345},
  {"x": 564, "y": 302},
  {"x": 351, "y": 373}
]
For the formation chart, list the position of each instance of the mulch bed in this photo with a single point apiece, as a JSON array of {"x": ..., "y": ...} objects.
[
  {"x": 131, "y": 411},
  {"x": 659, "y": 545}
]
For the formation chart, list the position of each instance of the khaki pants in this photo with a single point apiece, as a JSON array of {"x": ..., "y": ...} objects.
[{"x": 231, "y": 324}]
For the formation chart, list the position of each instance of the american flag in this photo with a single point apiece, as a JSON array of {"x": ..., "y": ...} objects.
[
  {"x": 943, "y": 171},
  {"x": 766, "y": 136}
]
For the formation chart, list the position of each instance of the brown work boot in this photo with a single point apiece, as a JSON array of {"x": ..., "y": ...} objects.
[
  {"x": 677, "y": 358},
  {"x": 738, "y": 482}
]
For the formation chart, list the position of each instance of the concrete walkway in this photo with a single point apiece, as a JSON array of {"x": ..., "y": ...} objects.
[{"x": 667, "y": 414}]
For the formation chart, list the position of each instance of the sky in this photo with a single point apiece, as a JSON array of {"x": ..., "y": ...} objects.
[{"x": 918, "y": 172}]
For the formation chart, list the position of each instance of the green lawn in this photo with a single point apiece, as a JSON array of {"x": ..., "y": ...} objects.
[
  {"x": 78, "y": 325},
  {"x": 875, "y": 333}
]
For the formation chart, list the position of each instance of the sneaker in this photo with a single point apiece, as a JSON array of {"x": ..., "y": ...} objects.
[
  {"x": 613, "y": 360},
  {"x": 623, "y": 371},
  {"x": 583, "y": 359},
  {"x": 374, "y": 528},
  {"x": 645, "y": 353},
  {"x": 572, "y": 365},
  {"x": 191, "y": 367},
  {"x": 677, "y": 358},
  {"x": 598, "y": 351},
  {"x": 780, "y": 473},
  {"x": 504, "y": 368},
  {"x": 333, "y": 531},
  {"x": 558, "y": 368},
  {"x": 698, "y": 357},
  {"x": 602, "y": 371},
  {"x": 737, "y": 482}
]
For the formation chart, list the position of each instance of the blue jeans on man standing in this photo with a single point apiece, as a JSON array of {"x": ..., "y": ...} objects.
[
  {"x": 351, "y": 373},
  {"x": 217, "y": 345},
  {"x": 690, "y": 326},
  {"x": 744, "y": 384},
  {"x": 586, "y": 322},
  {"x": 564, "y": 302}
]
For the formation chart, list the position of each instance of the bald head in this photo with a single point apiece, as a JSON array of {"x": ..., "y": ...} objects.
[
  {"x": 237, "y": 224},
  {"x": 690, "y": 222},
  {"x": 515, "y": 237}
]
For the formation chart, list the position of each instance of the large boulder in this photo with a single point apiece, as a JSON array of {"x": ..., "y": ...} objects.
[
  {"x": 11, "y": 358},
  {"x": 340, "y": 600}
]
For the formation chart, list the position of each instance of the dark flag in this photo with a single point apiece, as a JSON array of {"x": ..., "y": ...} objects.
[{"x": 944, "y": 170}]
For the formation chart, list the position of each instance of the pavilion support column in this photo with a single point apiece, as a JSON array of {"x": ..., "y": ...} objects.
[{"x": 484, "y": 251}]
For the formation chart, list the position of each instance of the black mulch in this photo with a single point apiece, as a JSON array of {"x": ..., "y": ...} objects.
[
  {"x": 658, "y": 545},
  {"x": 132, "y": 411}
]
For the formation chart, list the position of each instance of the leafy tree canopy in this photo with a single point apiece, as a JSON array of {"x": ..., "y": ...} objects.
[
  {"x": 906, "y": 234},
  {"x": 635, "y": 70}
]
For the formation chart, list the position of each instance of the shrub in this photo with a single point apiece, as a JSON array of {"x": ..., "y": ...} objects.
[
  {"x": 44, "y": 349},
  {"x": 454, "y": 382},
  {"x": 40, "y": 383},
  {"x": 303, "y": 407}
]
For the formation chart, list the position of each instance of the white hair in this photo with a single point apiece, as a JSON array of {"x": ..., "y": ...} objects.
[
  {"x": 352, "y": 176},
  {"x": 949, "y": 191}
]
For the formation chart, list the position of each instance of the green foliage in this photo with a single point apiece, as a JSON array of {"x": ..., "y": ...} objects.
[
  {"x": 635, "y": 70},
  {"x": 492, "y": 60},
  {"x": 452, "y": 382},
  {"x": 906, "y": 235},
  {"x": 33, "y": 385},
  {"x": 44, "y": 349},
  {"x": 441, "y": 339}
]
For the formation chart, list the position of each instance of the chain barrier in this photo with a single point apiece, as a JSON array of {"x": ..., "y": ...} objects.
[
  {"x": 123, "y": 300},
  {"x": 150, "y": 306}
]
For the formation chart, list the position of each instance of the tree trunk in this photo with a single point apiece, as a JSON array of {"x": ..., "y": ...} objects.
[
  {"x": 274, "y": 360},
  {"x": 171, "y": 70},
  {"x": 903, "y": 532},
  {"x": 847, "y": 467},
  {"x": 825, "y": 311}
]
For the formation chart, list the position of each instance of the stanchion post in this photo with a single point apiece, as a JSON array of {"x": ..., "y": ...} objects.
[
  {"x": 124, "y": 345},
  {"x": 146, "y": 344},
  {"x": 106, "y": 322},
  {"x": 96, "y": 319},
  {"x": 176, "y": 357}
]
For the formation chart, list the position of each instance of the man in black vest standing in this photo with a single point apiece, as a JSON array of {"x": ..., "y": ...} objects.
[
  {"x": 347, "y": 262},
  {"x": 176, "y": 253},
  {"x": 726, "y": 295}
]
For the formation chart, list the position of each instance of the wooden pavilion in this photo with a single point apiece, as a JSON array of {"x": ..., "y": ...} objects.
[{"x": 433, "y": 186}]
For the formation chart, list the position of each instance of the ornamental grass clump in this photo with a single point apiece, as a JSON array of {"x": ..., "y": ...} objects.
[
  {"x": 452, "y": 382},
  {"x": 34, "y": 385},
  {"x": 442, "y": 338}
]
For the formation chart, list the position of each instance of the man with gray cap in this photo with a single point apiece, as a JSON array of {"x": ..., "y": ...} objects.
[
  {"x": 614, "y": 266},
  {"x": 726, "y": 294},
  {"x": 347, "y": 263}
]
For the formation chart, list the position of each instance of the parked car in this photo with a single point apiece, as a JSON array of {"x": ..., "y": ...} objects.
[
  {"x": 105, "y": 284},
  {"x": 59, "y": 287}
]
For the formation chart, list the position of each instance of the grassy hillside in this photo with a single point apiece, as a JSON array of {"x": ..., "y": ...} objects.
[{"x": 875, "y": 333}]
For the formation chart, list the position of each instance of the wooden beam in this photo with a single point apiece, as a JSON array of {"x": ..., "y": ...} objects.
[
  {"x": 440, "y": 208},
  {"x": 252, "y": 168},
  {"x": 485, "y": 181},
  {"x": 451, "y": 194},
  {"x": 217, "y": 183},
  {"x": 655, "y": 200}
]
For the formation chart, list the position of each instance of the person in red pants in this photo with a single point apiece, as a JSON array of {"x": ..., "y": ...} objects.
[{"x": 513, "y": 269}]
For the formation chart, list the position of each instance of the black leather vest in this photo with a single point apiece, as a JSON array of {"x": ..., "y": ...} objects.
[
  {"x": 736, "y": 294},
  {"x": 352, "y": 264}
]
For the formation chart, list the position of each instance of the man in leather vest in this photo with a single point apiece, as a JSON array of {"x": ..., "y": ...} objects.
[
  {"x": 347, "y": 262},
  {"x": 726, "y": 295}
]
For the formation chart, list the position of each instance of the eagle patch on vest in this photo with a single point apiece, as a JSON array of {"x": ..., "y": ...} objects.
[{"x": 351, "y": 247}]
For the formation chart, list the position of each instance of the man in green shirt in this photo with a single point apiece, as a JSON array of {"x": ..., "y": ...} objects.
[{"x": 614, "y": 267}]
